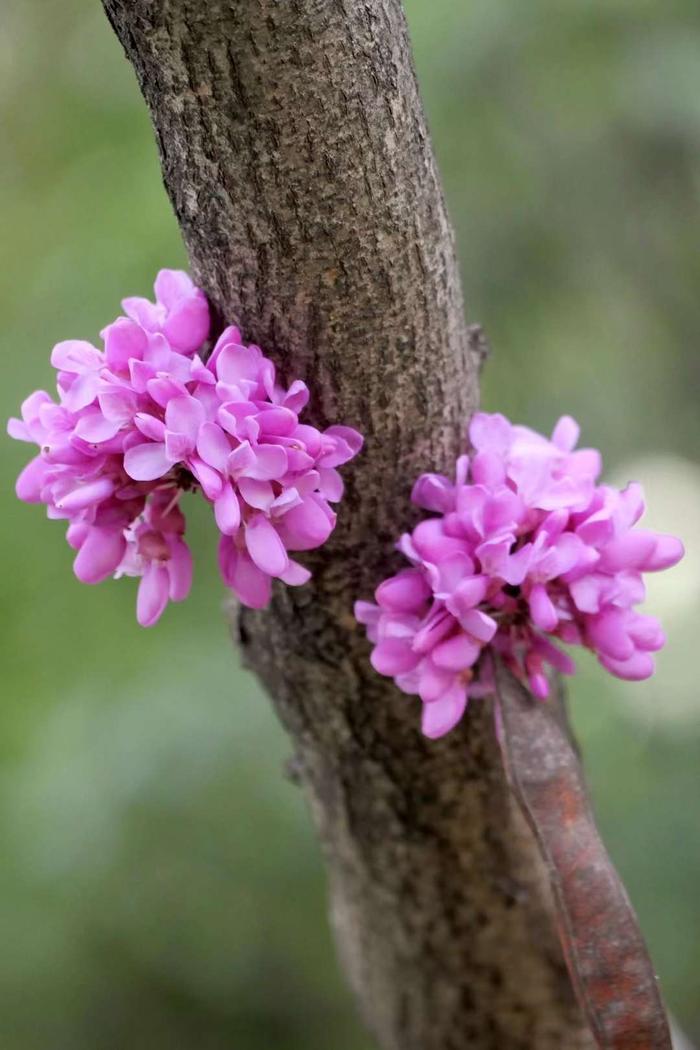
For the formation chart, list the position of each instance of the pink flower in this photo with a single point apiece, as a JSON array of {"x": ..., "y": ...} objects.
[
  {"x": 527, "y": 550},
  {"x": 145, "y": 419},
  {"x": 180, "y": 312},
  {"x": 155, "y": 550}
]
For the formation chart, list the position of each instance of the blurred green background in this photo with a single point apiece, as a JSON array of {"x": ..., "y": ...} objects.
[{"x": 159, "y": 882}]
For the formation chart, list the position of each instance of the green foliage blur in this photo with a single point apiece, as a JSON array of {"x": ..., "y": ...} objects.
[{"x": 159, "y": 883}]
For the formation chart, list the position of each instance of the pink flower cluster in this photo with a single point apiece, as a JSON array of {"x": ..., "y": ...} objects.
[
  {"x": 526, "y": 550},
  {"x": 145, "y": 419}
]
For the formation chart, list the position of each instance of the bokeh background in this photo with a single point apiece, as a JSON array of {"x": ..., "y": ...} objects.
[{"x": 159, "y": 882}]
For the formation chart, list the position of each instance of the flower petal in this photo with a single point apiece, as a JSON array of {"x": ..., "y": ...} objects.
[
  {"x": 246, "y": 580},
  {"x": 150, "y": 427},
  {"x": 184, "y": 415},
  {"x": 542, "y": 609},
  {"x": 82, "y": 391},
  {"x": 227, "y": 511},
  {"x": 153, "y": 592},
  {"x": 265, "y": 547},
  {"x": 457, "y": 653},
  {"x": 94, "y": 428},
  {"x": 210, "y": 479},
  {"x": 478, "y": 624},
  {"x": 434, "y": 492},
  {"x": 405, "y": 592},
  {"x": 295, "y": 575},
  {"x": 443, "y": 715},
  {"x": 238, "y": 362},
  {"x": 76, "y": 355},
  {"x": 394, "y": 656},
  {"x": 433, "y": 681},
  {"x": 668, "y": 552},
  {"x": 269, "y": 463},
  {"x": 100, "y": 554},
  {"x": 179, "y": 569},
  {"x": 86, "y": 495},
  {"x": 608, "y": 633},
  {"x": 172, "y": 286},
  {"x": 258, "y": 494},
  {"x": 307, "y": 525},
  {"x": 30, "y": 482},
  {"x": 188, "y": 323},
  {"x": 213, "y": 446},
  {"x": 490, "y": 433},
  {"x": 635, "y": 669},
  {"x": 566, "y": 434},
  {"x": 124, "y": 340},
  {"x": 147, "y": 462}
]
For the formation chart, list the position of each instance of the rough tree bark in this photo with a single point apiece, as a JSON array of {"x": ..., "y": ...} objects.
[{"x": 296, "y": 155}]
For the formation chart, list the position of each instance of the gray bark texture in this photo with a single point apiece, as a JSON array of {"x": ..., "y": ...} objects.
[{"x": 296, "y": 155}]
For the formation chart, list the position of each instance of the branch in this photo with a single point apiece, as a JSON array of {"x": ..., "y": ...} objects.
[{"x": 296, "y": 155}]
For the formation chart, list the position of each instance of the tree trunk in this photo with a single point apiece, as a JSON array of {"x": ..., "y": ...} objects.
[{"x": 296, "y": 155}]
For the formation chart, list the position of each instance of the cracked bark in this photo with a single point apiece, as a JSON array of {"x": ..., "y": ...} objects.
[{"x": 295, "y": 152}]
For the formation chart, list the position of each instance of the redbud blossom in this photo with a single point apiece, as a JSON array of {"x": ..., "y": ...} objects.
[
  {"x": 525, "y": 550},
  {"x": 144, "y": 419}
]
